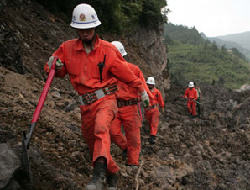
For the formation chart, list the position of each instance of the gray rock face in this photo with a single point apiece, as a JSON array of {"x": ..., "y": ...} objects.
[
  {"x": 156, "y": 58},
  {"x": 9, "y": 162}
]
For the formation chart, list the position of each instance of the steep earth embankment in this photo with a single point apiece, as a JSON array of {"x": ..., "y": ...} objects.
[{"x": 30, "y": 34}]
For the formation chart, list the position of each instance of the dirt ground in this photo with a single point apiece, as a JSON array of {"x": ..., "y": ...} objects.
[{"x": 206, "y": 153}]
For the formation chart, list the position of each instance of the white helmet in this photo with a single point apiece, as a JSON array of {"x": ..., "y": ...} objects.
[
  {"x": 84, "y": 17},
  {"x": 151, "y": 80},
  {"x": 120, "y": 47},
  {"x": 191, "y": 84}
]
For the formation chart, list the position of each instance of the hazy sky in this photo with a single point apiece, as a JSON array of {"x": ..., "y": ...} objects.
[{"x": 212, "y": 17}]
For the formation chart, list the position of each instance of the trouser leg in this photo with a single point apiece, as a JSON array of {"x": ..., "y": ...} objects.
[
  {"x": 155, "y": 121},
  {"x": 96, "y": 122},
  {"x": 132, "y": 124},
  {"x": 116, "y": 133},
  {"x": 193, "y": 105}
]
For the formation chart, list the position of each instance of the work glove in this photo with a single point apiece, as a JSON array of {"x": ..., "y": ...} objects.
[
  {"x": 145, "y": 99},
  {"x": 59, "y": 64}
]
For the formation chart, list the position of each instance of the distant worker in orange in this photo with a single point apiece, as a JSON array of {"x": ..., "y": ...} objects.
[
  {"x": 191, "y": 95},
  {"x": 152, "y": 113},
  {"x": 127, "y": 116},
  {"x": 94, "y": 67}
]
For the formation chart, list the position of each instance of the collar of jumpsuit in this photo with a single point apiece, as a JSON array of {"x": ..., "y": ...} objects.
[
  {"x": 152, "y": 89},
  {"x": 79, "y": 44}
]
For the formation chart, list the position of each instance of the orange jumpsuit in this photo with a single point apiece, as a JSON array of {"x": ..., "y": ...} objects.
[
  {"x": 128, "y": 117},
  {"x": 191, "y": 95},
  {"x": 84, "y": 74},
  {"x": 152, "y": 113}
]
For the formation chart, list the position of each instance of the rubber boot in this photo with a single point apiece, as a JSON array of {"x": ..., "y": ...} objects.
[
  {"x": 98, "y": 177},
  {"x": 112, "y": 180},
  {"x": 124, "y": 154},
  {"x": 152, "y": 139}
]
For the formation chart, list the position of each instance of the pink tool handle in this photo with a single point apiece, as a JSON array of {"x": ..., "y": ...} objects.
[{"x": 45, "y": 91}]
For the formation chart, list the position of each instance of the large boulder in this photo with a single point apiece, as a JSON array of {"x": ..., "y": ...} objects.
[{"x": 9, "y": 162}]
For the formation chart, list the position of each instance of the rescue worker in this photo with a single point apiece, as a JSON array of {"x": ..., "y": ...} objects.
[
  {"x": 198, "y": 99},
  {"x": 94, "y": 67},
  {"x": 191, "y": 95},
  {"x": 152, "y": 113},
  {"x": 127, "y": 103}
]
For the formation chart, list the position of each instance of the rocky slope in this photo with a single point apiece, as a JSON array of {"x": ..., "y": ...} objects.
[{"x": 211, "y": 152}]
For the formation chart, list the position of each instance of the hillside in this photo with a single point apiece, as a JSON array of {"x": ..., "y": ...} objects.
[
  {"x": 191, "y": 58},
  {"x": 231, "y": 45},
  {"x": 241, "y": 39},
  {"x": 182, "y": 34},
  {"x": 238, "y": 41},
  {"x": 211, "y": 152}
]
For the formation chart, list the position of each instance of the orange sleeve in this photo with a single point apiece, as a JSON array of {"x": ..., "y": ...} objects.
[
  {"x": 121, "y": 70},
  {"x": 160, "y": 99},
  {"x": 140, "y": 76}
]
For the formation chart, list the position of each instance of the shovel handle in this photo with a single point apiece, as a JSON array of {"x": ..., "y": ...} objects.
[
  {"x": 27, "y": 137},
  {"x": 45, "y": 91}
]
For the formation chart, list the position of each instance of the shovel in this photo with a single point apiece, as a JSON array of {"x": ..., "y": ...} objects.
[{"x": 25, "y": 167}]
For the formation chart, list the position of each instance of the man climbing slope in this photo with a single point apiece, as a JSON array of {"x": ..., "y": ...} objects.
[
  {"x": 94, "y": 67},
  {"x": 127, "y": 101},
  {"x": 152, "y": 113},
  {"x": 191, "y": 95}
]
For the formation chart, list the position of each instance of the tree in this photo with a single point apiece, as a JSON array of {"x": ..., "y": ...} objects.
[{"x": 223, "y": 49}]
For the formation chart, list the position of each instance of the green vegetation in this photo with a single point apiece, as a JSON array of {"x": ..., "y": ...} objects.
[
  {"x": 117, "y": 16},
  {"x": 191, "y": 58},
  {"x": 182, "y": 34}
]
